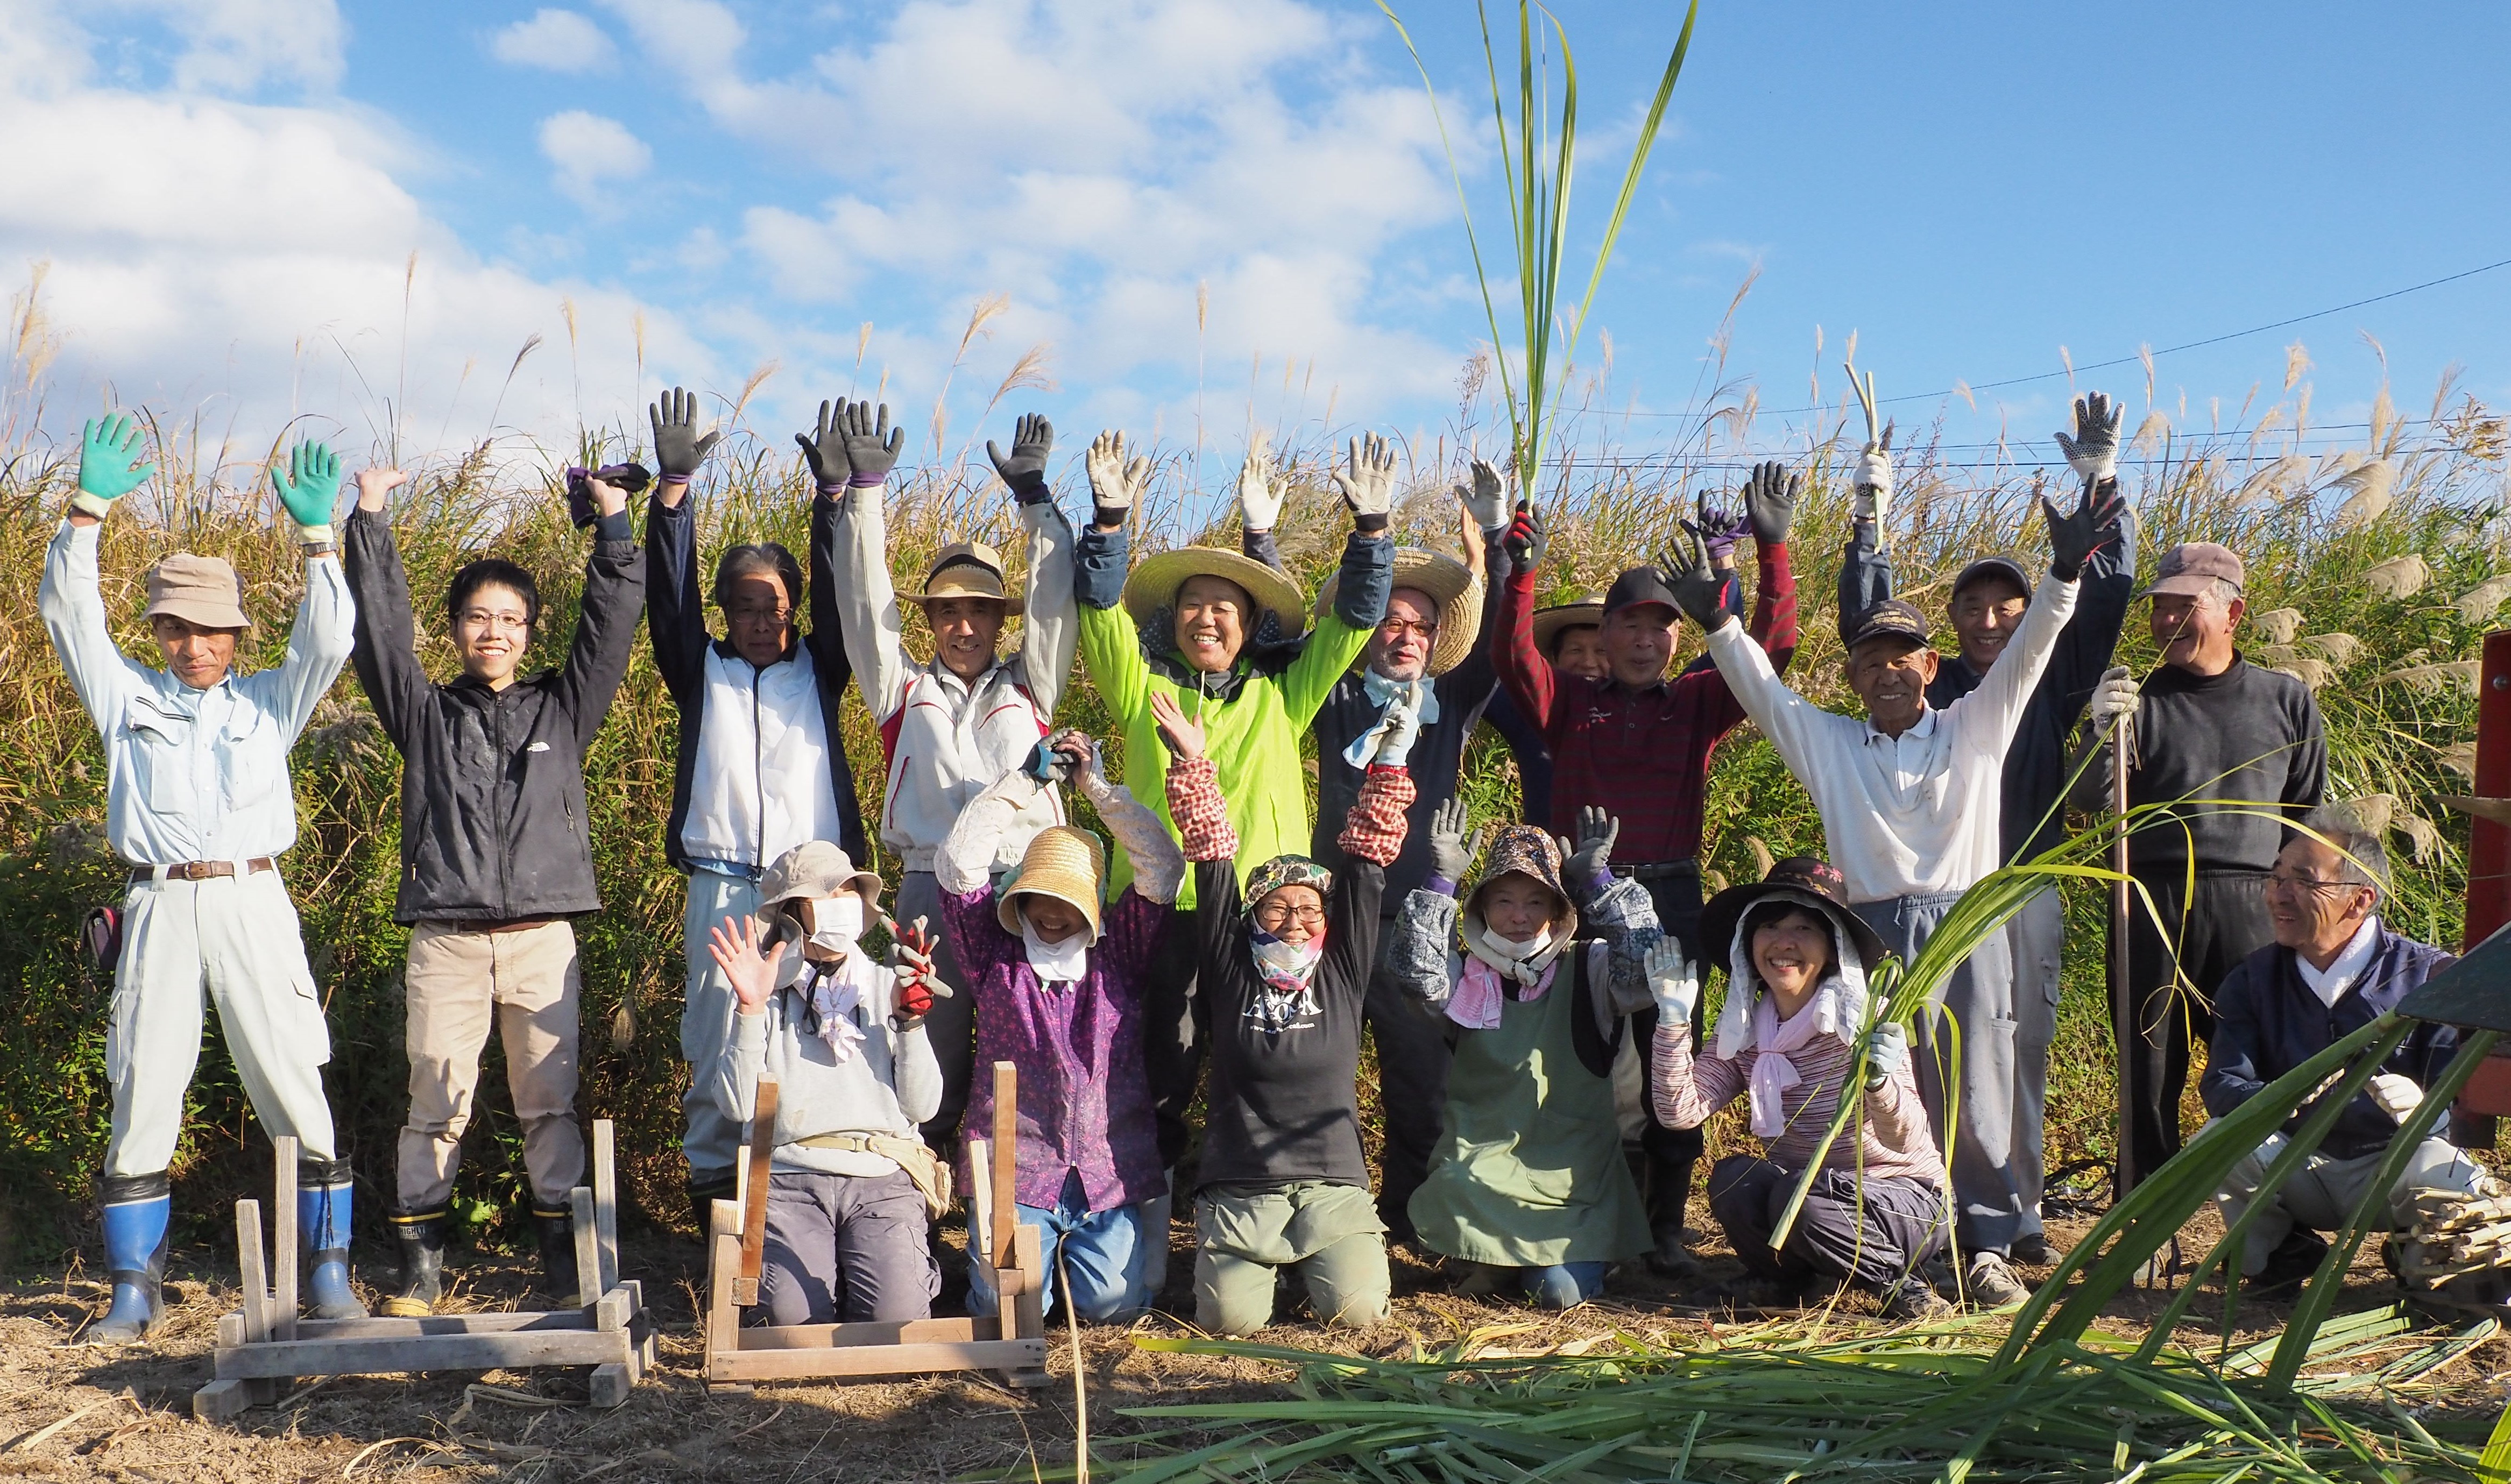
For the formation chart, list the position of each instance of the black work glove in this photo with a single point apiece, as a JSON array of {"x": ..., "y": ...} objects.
[
  {"x": 678, "y": 448},
  {"x": 1024, "y": 470},
  {"x": 2074, "y": 536},
  {"x": 872, "y": 447},
  {"x": 1525, "y": 540},
  {"x": 823, "y": 448},
  {"x": 1699, "y": 588},
  {"x": 1770, "y": 502}
]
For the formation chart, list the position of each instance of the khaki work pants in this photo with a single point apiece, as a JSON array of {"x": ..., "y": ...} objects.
[{"x": 459, "y": 980}]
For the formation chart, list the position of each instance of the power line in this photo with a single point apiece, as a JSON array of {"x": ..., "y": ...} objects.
[{"x": 2103, "y": 365}]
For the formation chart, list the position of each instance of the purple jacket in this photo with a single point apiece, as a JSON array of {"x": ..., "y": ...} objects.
[{"x": 1084, "y": 1097}]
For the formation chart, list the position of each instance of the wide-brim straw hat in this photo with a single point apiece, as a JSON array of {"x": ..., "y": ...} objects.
[
  {"x": 201, "y": 590},
  {"x": 1064, "y": 862},
  {"x": 1155, "y": 580},
  {"x": 816, "y": 868},
  {"x": 1450, "y": 583},
  {"x": 967, "y": 569},
  {"x": 1801, "y": 879},
  {"x": 1586, "y": 612}
]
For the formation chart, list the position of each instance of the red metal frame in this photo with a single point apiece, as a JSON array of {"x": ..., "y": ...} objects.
[{"x": 2487, "y": 1095}]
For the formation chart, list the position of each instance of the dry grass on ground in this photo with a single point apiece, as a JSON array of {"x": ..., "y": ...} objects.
[{"x": 125, "y": 1415}]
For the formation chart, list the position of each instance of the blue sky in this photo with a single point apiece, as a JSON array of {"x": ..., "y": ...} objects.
[{"x": 227, "y": 195}]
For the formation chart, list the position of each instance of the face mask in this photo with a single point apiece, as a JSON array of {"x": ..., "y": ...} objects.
[
  {"x": 1061, "y": 963},
  {"x": 1523, "y": 947},
  {"x": 838, "y": 922}
]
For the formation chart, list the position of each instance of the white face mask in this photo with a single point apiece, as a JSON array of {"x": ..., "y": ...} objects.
[
  {"x": 837, "y": 921},
  {"x": 1063, "y": 962},
  {"x": 1523, "y": 947}
]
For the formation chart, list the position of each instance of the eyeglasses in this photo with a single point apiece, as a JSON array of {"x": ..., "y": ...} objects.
[
  {"x": 2279, "y": 881},
  {"x": 495, "y": 622},
  {"x": 775, "y": 617},
  {"x": 1397, "y": 628},
  {"x": 1276, "y": 915}
]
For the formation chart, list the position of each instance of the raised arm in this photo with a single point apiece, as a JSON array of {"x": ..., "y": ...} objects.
[
  {"x": 1368, "y": 487},
  {"x": 965, "y": 862},
  {"x": 1050, "y": 626},
  {"x": 1524, "y": 672},
  {"x": 1109, "y": 646},
  {"x": 70, "y": 601},
  {"x": 605, "y": 623},
  {"x": 675, "y": 604},
  {"x": 386, "y": 653},
  {"x": 1159, "y": 865},
  {"x": 2091, "y": 637},
  {"x": 861, "y": 595},
  {"x": 1205, "y": 836}
]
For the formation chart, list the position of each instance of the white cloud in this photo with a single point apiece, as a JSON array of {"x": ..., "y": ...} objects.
[
  {"x": 589, "y": 150},
  {"x": 236, "y": 45},
  {"x": 560, "y": 41}
]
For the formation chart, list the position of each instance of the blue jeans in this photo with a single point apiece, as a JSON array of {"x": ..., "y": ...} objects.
[{"x": 1096, "y": 1248}]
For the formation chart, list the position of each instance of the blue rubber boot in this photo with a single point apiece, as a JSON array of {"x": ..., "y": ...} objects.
[
  {"x": 137, "y": 1211},
  {"x": 323, "y": 1218},
  {"x": 1563, "y": 1285}
]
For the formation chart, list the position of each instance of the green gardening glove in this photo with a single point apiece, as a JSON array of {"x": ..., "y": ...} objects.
[
  {"x": 108, "y": 467},
  {"x": 310, "y": 486}
]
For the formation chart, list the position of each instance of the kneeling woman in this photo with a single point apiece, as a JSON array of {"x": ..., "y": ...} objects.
[
  {"x": 1529, "y": 1174},
  {"x": 853, "y": 1187},
  {"x": 1283, "y": 1183},
  {"x": 1785, "y": 1042},
  {"x": 1059, "y": 989}
]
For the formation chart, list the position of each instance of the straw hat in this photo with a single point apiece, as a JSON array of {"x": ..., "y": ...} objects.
[
  {"x": 1064, "y": 862},
  {"x": 1548, "y": 621},
  {"x": 966, "y": 569},
  {"x": 1451, "y": 583},
  {"x": 1156, "y": 579},
  {"x": 198, "y": 590},
  {"x": 815, "y": 868}
]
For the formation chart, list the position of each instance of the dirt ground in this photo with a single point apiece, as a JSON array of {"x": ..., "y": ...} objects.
[{"x": 74, "y": 1412}]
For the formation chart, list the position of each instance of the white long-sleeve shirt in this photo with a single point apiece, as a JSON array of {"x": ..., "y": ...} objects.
[
  {"x": 193, "y": 775},
  {"x": 947, "y": 740},
  {"x": 1914, "y": 814},
  {"x": 889, "y": 1084}
]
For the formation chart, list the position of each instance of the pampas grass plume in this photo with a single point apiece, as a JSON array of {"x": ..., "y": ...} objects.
[
  {"x": 2279, "y": 625},
  {"x": 2397, "y": 577}
]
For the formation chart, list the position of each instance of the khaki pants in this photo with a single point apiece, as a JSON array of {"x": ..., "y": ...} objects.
[
  {"x": 459, "y": 981},
  {"x": 237, "y": 937},
  {"x": 1331, "y": 1235},
  {"x": 2321, "y": 1194}
]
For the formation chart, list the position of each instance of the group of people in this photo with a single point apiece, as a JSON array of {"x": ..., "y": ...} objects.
[{"x": 1533, "y": 992}]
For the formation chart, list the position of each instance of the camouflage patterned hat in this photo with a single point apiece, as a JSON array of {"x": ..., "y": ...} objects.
[
  {"x": 1286, "y": 871},
  {"x": 1527, "y": 850}
]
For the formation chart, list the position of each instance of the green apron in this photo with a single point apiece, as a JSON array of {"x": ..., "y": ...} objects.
[{"x": 1529, "y": 1171}]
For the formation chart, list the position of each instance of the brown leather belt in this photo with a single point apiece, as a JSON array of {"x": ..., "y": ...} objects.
[
  {"x": 200, "y": 870},
  {"x": 507, "y": 924}
]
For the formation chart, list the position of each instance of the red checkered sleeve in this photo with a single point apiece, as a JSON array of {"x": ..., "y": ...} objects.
[
  {"x": 1199, "y": 812},
  {"x": 1374, "y": 830}
]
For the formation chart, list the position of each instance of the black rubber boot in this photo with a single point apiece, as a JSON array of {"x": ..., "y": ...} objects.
[
  {"x": 1669, "y": 1196},
  {"x": 706, "y": 1188},
  {"x": 421, "y": 1234},
  {"x": 556, "y": 1231}
]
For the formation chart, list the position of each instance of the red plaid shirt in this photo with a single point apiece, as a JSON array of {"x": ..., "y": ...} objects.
[
  {"x": 1373, "y": 831},
  {"x": 1642, "y": 754}
]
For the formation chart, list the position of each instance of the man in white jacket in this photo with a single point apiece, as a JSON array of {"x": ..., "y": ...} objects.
[
  {"x": 952, "y": 725},
  {"x": 1910, "y": 797}
]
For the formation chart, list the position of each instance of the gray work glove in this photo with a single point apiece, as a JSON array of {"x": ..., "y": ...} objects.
[
  {"x": 2093, "y": 453},
  {"x": 1116, "y": 482},
  {"x": 1369, "y": 486},
  {"x": 1592, "y": 857},
  {"x": 1023, "y": 468},
  {"x": 678, "y": 448},
  {"x": 1451, "y": 850},
  {"x": 1259, "y": 499},
  {"x": 1487, "y": 499},
  {"x": 1771, "y": 499},
  {"x": 2074, "y": 535},
  {"x": 1698, "y": 589},
  {"x": 2113, "y": 697},
  {"x": 823, "y": 448},
  {"x": 1870, "y": 490},
  {"x": 1887, "y": 1051},
  {"x": 872, "y": 445}
]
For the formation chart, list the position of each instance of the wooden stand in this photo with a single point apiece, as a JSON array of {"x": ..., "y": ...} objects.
[
  {"x": 264, "y": 1346},
  {"x": 1012, "y": 1341}
]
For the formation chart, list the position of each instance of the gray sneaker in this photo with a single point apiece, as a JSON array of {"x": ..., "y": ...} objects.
[
  {"x": 1915, "y": 1301},
  {"x": 1992, "y": 1284}
]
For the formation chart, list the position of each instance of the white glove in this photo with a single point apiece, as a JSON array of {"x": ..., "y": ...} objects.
[
  {"x": 1403, "y": 722},
  {"x": 1259, "y": 504},
  {"x": 1887, "y": 1051},
  {"x": 1488, "y": 499},
  {"x": 1115, "y": 484},
  {"x": 1674, "y": 983},
  {"x": 2113, "y": 698},
  {"x": 1368, "y": 486},
  {"x": 2093, "y": 453},
  {"x": 2397, "y": 1096},
  {"x": 1872, "y": 499}
]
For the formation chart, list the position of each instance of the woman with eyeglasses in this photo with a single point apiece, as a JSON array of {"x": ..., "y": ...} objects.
[{"x": 1283, "y": 968}]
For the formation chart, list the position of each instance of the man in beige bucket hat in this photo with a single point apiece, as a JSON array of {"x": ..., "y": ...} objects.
[
  {"x": 951, "y": 725},
  {"x": 199, "y": 808}
]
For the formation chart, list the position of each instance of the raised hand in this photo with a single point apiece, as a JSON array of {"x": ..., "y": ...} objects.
[
  {"x": 1673, "y": 981},
  {"x": 1770, "y": 501},
  {"x": 679, "y": 448},
  {"x": 1115, "y": 481},
  {"x": 308, "y": 489},
  {"x": 1887, "y": 1051},
  {"x": 2074, "y": 535},
  {"x": 1592, "y": 857},
  {"x": 1260, "y": 499},
  {"x": 1183, "y": 733},
  {"x": 1487, "y": 499},
  {"x": 1451, "y": 852},
  {"x": 1719, "y": 529},
  {"x": 1368, "y": 485},
  {"x": 734, "y": 945},
  {"x": 1060, "y": 758},
  {"x": 872, "y": 445},
  {"x": 109, "y": 463},
  {"x": 375, "y": 483},
  {"x": 823, "y": 448},
  {"x": 2093, "y": 453},
  {"x": 1698, "y": 589},
  {"x": 1526, "y": 541},
  {"x": 1870, "y": 494},
  {"x": 1023, "y": 468},
  {"x": 915, "y": 986}
]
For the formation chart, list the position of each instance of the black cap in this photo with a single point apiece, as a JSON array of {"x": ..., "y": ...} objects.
[
  {"x": 2005, "y": 567},
  {"x": 1890, "y": 617},
  {"x": 1639, "y": 585}
]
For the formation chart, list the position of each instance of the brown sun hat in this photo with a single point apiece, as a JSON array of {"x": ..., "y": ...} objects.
[
  {"x": 198, "y": 590},
  {"x": 1063, "y": 861},
  {"x": 816, "y": 868},
  {"x": 2191, "y": 569},
  {"x": 967, "y": 569},
  {"x": 1801, "y": 879},
  {"x": 1586, "y": 613},
  {"x": 1155, "y": 580},
  {"x": 1450, "y": 583}
]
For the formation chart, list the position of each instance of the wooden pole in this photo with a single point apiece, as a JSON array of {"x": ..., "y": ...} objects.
[
  {"x": 2124, "y": 1011},
  {"x": 283, "y": 1246},
  {"x": 754, "y": 1199},
  {"x": 1006, "y": 1141}
]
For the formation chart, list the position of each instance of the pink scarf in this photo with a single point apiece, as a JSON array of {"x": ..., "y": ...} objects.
[{"x": 1772, "y": 1073}]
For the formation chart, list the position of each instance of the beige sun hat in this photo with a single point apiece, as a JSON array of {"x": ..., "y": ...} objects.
[
  {"x": 1450, "y": 583},
  {"x": 1586, "y": 612},
  {"x": 967, "y": 569},
  {"x": 816, "y": 868},
  {"x": 198, "y": 590},
  {"x": 1063, "y": 861},
  {"x": 1155, "y": 580}
]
